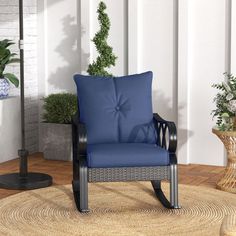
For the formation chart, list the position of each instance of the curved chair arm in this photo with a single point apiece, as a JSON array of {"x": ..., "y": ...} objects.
[
  {"x": 80, "y": 174},
  {"x": 166, "y": 133},
  {"x": 79, "y": 136}
]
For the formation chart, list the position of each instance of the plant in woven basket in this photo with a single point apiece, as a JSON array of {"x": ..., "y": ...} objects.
[
  {"x": 106, "y": 57},
  {"x": 225, "y": 101},
  {"x": 59, "y": 108}
]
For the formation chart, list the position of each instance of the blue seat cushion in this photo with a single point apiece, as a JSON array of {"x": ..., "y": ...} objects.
[
  {"x": 116, "y": 109},
  {"x": 126, "y": 155}
]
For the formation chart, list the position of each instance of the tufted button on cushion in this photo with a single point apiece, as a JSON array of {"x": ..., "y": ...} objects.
[{"x": 116, "y": 110}]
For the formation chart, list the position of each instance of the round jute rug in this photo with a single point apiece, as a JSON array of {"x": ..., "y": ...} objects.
[{"x": 116, "y": 209}]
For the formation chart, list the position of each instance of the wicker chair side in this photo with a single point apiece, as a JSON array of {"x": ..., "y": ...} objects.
[{"x": 128, "y": 174}]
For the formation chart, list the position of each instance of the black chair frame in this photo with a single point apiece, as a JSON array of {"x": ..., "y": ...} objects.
[{"x": 82, "y": 175}]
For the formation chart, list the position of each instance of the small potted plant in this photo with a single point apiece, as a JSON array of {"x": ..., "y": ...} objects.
[
  {"x": 225, "y": 112},
  {"x": 225, "y": 101},
  {"x": 6, "y": 58},
  {"x": 55, "y": 130}
]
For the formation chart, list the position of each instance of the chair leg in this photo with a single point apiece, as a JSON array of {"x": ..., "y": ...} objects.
[
  {"x": 174, "y": 186},
  {"x": 80, "y": 190},
  {"x": 173, "y": 203},
  {"x": 81, "y": 196}
]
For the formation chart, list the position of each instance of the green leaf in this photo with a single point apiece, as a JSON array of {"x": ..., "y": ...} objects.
[
  {"x": 13, "y": 60},
  {"x": 2, "y": 51},
  {"x": 6, "y": 43},
  {"x": 12, "y": 78},
  {"x": 225, "y": 115},
  {"x": 2, "y": 68},
  {"x": 6, "y": 58}
]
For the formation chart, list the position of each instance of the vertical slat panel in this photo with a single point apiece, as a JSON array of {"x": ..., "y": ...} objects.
[
  {"x": 61, "y": 52},
  {"x": 85, "y": 35},
  {"x": 233, "y": 39},
  {"x": 207, "y": 64},
  {"x": 157, "y": 52},
  {"x": 228, "y": 22},
  {"x": 175, "y": 58},
  {"x": 183, "y": 81},
  {"x": 134, "y": 24}
]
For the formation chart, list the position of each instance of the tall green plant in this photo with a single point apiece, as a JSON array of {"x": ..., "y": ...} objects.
[
  {"x": 6, "y": 58},
  {"x": 106, "y": 57}
]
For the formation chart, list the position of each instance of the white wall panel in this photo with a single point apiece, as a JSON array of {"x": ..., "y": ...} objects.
[
  {"x": 61, "y": 56},
  {"x": 207, "y": 52},
  {"x": 134, "y": 35},
  {"x": 156, "y": 52},
  {"x": 184, "y": 62},
  {"x": 233, "y": 40}
]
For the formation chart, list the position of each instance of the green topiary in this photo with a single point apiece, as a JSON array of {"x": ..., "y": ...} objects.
[
  {"x": 106, "y": 57},
  {"x": 59, "y": 108}
]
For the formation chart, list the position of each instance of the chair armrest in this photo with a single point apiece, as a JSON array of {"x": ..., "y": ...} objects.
[
  {"x": 166, "y": 133},
  {"x": 80, "y": 136}
]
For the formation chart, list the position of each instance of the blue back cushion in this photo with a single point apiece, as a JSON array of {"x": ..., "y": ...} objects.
[{"x": 116, "y": 110}]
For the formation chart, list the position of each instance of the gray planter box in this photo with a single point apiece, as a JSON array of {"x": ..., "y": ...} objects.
[{"x": 56, "y": 141}]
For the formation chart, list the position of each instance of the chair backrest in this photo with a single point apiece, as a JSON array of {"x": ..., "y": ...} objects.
[{"x": 116, "y": 109}]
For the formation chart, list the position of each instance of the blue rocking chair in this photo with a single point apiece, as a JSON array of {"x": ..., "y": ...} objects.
[{"x": 116, "y": 137}]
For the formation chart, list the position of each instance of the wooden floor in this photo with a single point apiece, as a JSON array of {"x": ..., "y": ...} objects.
[{"x": 61, "y": 172}]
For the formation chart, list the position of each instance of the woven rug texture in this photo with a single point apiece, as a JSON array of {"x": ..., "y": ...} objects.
[{"x": 116, "y": 209}]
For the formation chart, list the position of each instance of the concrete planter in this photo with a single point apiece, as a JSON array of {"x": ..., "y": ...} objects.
[{"x": 56, "y": 141}]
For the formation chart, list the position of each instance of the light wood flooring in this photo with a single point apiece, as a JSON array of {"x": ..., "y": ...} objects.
[{"x": 61, "y": 172}]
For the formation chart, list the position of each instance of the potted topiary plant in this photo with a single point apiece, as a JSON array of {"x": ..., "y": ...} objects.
[
  {"x": 55, "y": 130},
  {"x": 6, "y": 58},
  {"x": 106, "y": 57},
  {"x": 225, "y": 112}
]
